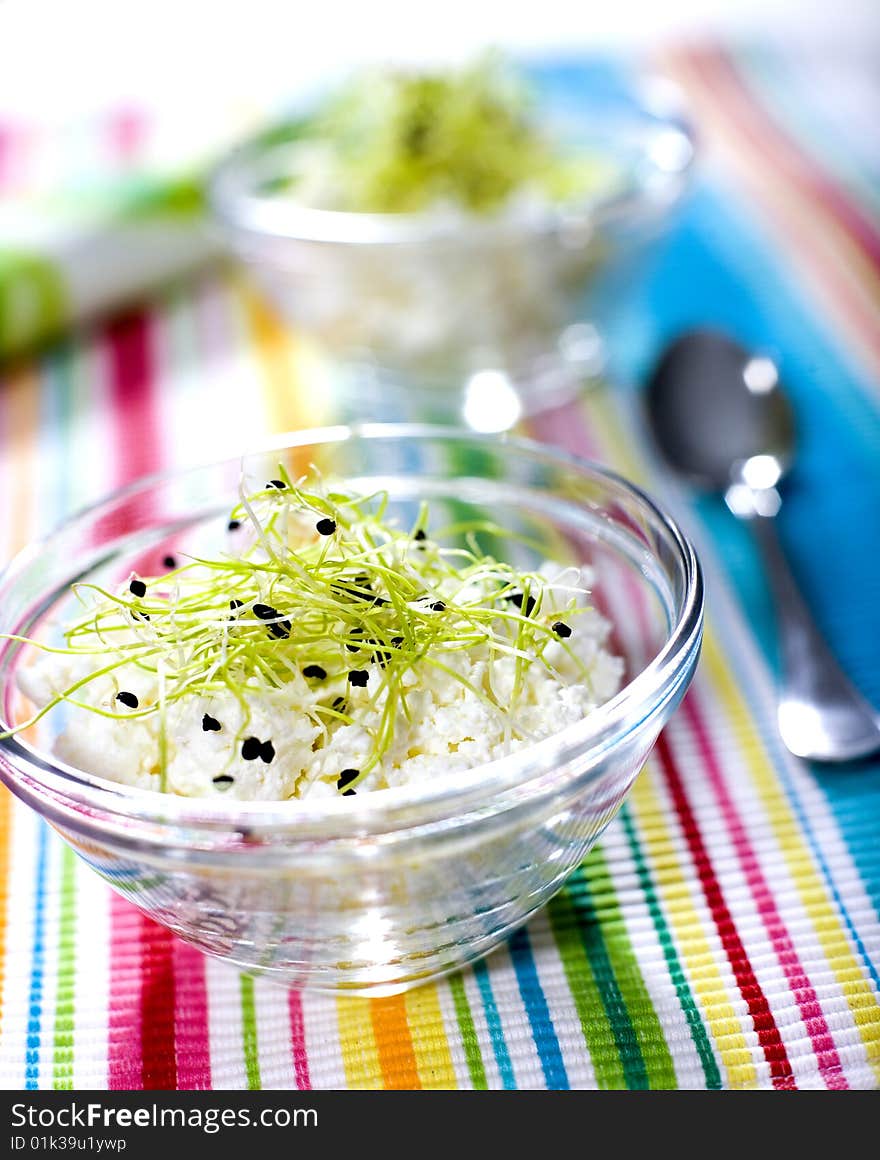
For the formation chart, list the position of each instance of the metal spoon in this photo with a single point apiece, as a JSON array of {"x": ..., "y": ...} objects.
[{"x": 719, "y": 417}]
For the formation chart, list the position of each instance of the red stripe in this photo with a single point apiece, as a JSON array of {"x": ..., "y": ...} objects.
[
  {"x": 157, "y": 1007},
  {"x": 298, "y": 1043},
  {"x": 133, "y": 397}
]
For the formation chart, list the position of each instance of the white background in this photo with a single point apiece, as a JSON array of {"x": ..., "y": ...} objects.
[{"x": 60, "y": 59}]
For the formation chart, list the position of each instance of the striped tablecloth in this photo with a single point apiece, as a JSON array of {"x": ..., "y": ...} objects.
[{"x": 725, "y": 934}]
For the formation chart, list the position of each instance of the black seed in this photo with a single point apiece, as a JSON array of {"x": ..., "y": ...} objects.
[
  {"x": 358, "y": 677},
  {"x": 267, "y": 751},
  {"x": 140, "y": 615},
  {"x": 210, "y": 724},
  {"x": 437, "y": 606},
  {"x": 281, "y": 630},
  {"x": 169, "y": 562},
  {"x": 128, "y": 699},
  {"x": 397, "y": 641},
  {"x": 349, "y": 792},
  {"x": 355, "y": 632},
  {"x": 326, "y": 527},
  {"x": 223, "y": 779},
  {"x": 561, "y": 629},
  {"x": 233, "y": 604},
  {"x": 517, "y": 599},
  {"x": 251, "y": 748},
  {"x": 339, "y": 704},
  {"x": 265, "y": 611},
  {"x": 420, "y": 535},
  {"x": 233, "y": 524},
  {"x": 347, "y": 777},
  {"x": 279, "y": 483},
  {"x": 138, "y": 588},
  {"x": 315, "y": 671}
]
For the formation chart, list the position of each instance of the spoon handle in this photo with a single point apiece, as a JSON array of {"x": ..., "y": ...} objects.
[{"x": 822, "y": 716}]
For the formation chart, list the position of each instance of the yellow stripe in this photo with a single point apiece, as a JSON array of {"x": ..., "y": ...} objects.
[
  {"x": 294, "y": 389},
  {"x": 813, "y": 892},
  {"x": 706, "y": 980},
  {"x": 815, "y": 898},
  {"x": 430, "y": 1043},
  {"x": 357, "y": 1041}
]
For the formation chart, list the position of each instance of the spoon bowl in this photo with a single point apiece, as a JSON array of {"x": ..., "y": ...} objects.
[{"x": 721, "y": 419}]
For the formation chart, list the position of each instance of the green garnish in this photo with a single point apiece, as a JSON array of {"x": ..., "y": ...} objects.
[
  {"x": 402, "y": 141},
  {"x": 348, "y": 612}
]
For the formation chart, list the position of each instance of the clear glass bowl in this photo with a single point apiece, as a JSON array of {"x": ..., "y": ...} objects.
[
  {"x": 486, "y": 317},
  {"x": 377, "y": 893}
]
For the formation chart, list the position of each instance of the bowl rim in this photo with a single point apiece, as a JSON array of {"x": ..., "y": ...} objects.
[
  {"x": 481, "y": 790},
  {"x": 237, "y": 208}
]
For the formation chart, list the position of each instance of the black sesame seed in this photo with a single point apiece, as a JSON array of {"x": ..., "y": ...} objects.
[
  {"x": 420, "y": 535},
  {"x": 349, "y": 792},
  {"x": 210, "y": 724},
  {"x": 315, "y": 671},
  {"x": 358, "y": 677},
  {"x": 437, "y": 606},
  {"x": 355, "y": 632},
  {"x": 129, "y": 699},
  {"x": 223, "y": 779},
  {"x": 281, "y": 630},
  {"x": 267, "y": 751},
  {"x": 233, "y": 524},
  {"x": 279, "y": 483},
  {"x": 561, "y": 629},
  {"x": 326, "y": 527},
  {"x": 338, "y": 704},
  {"x": 251, "y": 748},
  {"x": 265, "y": 611},
  {"x": 347, "y": 777},
  {"x": 138, "y": 588},
  {"x": 517, "y": 599},
  {"x": 169, "y": 561},
  {"x": 396, "y": 641},
  {"x": 140, "y": 615},
  {"x": 233, "y": 604}
]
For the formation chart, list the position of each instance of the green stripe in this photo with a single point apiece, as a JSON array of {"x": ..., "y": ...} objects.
[
  {"x": 62, "y": 1060},
  {"x": 595, "y": 1026},
  {"x": 645, "y": 1055},
  {"x": 676, "y": 973},
  {"x": 468, "y": 1033},
  {"x": 249, "y": 1034}
]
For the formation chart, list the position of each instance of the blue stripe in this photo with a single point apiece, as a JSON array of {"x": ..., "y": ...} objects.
[
  {"x": 35, "y": 990},
  {"x": 493, "y": 1023},
  {"x": 543, "y": 1031}
]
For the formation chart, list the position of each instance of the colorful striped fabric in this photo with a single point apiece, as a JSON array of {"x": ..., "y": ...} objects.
[{"x": 726, "y": 932}]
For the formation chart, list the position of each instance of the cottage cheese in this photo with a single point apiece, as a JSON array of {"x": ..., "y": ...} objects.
[{"x": 447, "y": 725}]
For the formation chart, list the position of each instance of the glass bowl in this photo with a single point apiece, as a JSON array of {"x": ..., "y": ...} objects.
[
  {"x": 376, "y": 893},
  {"x": 457, "y": 315}
]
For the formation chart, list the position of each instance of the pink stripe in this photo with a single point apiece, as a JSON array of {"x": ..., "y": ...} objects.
[
  {"x": 125, "y": 1057},
  {"x": 191, "y": 1019},
  {"x": 298, "y": 1043},
  {"x": 568, "y": 425}
]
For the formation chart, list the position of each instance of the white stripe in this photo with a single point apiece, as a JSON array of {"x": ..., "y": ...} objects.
[
  {"x": 225, "y": 1032},
  {"x": 272, "y": 1018},
  {"x": 323, "y": 1041}
]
